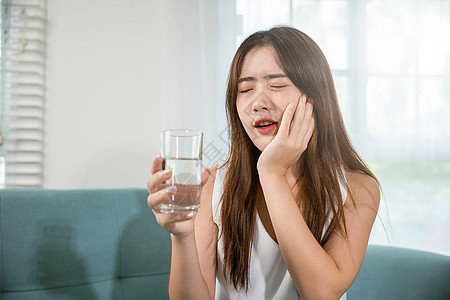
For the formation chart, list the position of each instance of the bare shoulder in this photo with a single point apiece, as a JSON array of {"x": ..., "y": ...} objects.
[
  {"x": 363, "y": 189},
  {"x": 212, "y": 174}
]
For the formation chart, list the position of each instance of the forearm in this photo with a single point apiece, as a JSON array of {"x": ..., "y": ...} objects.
[
  {"x": 186, "y": 280},
  {"x": 311, "y": 267}
]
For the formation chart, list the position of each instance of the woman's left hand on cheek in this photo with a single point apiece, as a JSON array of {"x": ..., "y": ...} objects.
[{"x": 294, "y": 133}]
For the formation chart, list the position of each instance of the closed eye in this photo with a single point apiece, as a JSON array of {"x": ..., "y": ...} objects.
[
  {"x": 245, "y": 91},
  {"x": 279, "y": 86}
]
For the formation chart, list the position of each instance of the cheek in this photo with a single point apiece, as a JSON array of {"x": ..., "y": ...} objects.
[
  {"x": 239, "y": 111},
  {"x": 295, "y": 96},
  {"x": 245, "y": 119},
  {"x": 245, "y": 122},
  {"x": 281, "y": 100},
  {"x": 243, "y": 115}
]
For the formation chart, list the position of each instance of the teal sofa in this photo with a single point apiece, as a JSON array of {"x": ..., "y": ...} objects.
[{"x": 106, "y": 244}]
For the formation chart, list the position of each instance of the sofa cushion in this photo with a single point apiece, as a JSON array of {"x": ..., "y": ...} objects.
[
  {"x": 398, "y": 273},
  {"x": 81, "y": 241}
]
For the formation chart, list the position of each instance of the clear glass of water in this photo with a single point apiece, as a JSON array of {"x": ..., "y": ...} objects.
[{"x": 181, "y": 150}]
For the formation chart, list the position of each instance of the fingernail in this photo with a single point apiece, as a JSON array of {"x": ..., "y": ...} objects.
[
  {"x": 303, "y": 98},
  {"x": 165, "y": 172},
  {"x": 291, "y": 104},
  {"x": 190, "y": 215}
]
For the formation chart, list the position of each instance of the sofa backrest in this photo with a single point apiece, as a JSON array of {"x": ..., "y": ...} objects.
[
  {"x": 81, "y": 244},
  {"x": 399, "y": 273}
]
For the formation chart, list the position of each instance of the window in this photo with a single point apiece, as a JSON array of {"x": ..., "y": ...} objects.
[
  {"x": 390, "y": 61},
  {"x": 22, "y": 81}
]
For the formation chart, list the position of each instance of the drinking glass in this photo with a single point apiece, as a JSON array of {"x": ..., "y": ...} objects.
[{"x": 181, "y": 150}]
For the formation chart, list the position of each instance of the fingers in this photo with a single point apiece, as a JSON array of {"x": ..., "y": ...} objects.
[
  {"x": 173, "y": 218},
  {"x": 155, "y": 199},
  {"x": 299, "y": 115},
  {"x": 158, "y": 176},
  {"x": 168, "y": 219},
  {"x": 294, "y": 116},
  {"x": 159, "y": 193},
  {"x": 157, "y": 162},
  {"x": 287, "y": 119},
  {"x": 155, "y": 181},
  {"x": 175, "y": 223},
  {"x": 302, "y": 118}
]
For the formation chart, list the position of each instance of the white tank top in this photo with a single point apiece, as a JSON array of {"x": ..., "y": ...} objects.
[{"x": 269, "y": 276}]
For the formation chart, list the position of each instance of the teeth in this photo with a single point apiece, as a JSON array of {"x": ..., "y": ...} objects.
[{"x": 262, "y": 124}]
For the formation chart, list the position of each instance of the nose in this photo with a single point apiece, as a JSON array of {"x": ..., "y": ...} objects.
[
  {"x": 258, "y": 106},
  {"x": 261, "y": 102}
]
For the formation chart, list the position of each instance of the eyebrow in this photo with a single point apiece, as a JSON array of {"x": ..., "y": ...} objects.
[{"x": 268, "y": 77}]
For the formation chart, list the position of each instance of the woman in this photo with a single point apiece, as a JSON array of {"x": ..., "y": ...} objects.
[{"x": 289, "y": 214}]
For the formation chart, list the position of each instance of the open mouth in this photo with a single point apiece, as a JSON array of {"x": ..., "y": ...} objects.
[{"x": 265, "y": 125}]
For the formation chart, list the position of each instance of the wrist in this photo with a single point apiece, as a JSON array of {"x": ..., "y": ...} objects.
[
  {"x": 271, "y": 171},
  {"x": 271, "y": 176},
  {"x": 182, "y": 237}
]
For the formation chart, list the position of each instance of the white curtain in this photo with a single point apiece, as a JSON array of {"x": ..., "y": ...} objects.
[{"x": 201, "y": 42}]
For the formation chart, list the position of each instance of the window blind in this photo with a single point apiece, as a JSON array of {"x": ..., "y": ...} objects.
[{"x": 22, "y": 96}]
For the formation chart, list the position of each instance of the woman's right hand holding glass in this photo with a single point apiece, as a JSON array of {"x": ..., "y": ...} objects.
[{"x": 179, "y": 224}]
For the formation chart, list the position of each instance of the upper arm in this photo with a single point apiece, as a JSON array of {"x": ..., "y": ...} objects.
[
  {"x": 360, "y": 210},
  {"x": 206, "y": 235}
]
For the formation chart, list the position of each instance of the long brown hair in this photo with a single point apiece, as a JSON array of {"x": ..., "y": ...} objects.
[{"x": 321, "y": 165}]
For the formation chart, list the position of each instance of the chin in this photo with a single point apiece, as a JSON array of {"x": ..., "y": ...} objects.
[{"x": 261, "y": 142}]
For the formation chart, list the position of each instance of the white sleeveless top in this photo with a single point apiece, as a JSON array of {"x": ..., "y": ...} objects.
[{"x": 269, "y": 276}]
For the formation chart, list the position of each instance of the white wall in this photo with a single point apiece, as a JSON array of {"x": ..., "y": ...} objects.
[
  {"x": 104, "y": 108},
  {"x": 115, "y": 69}
]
